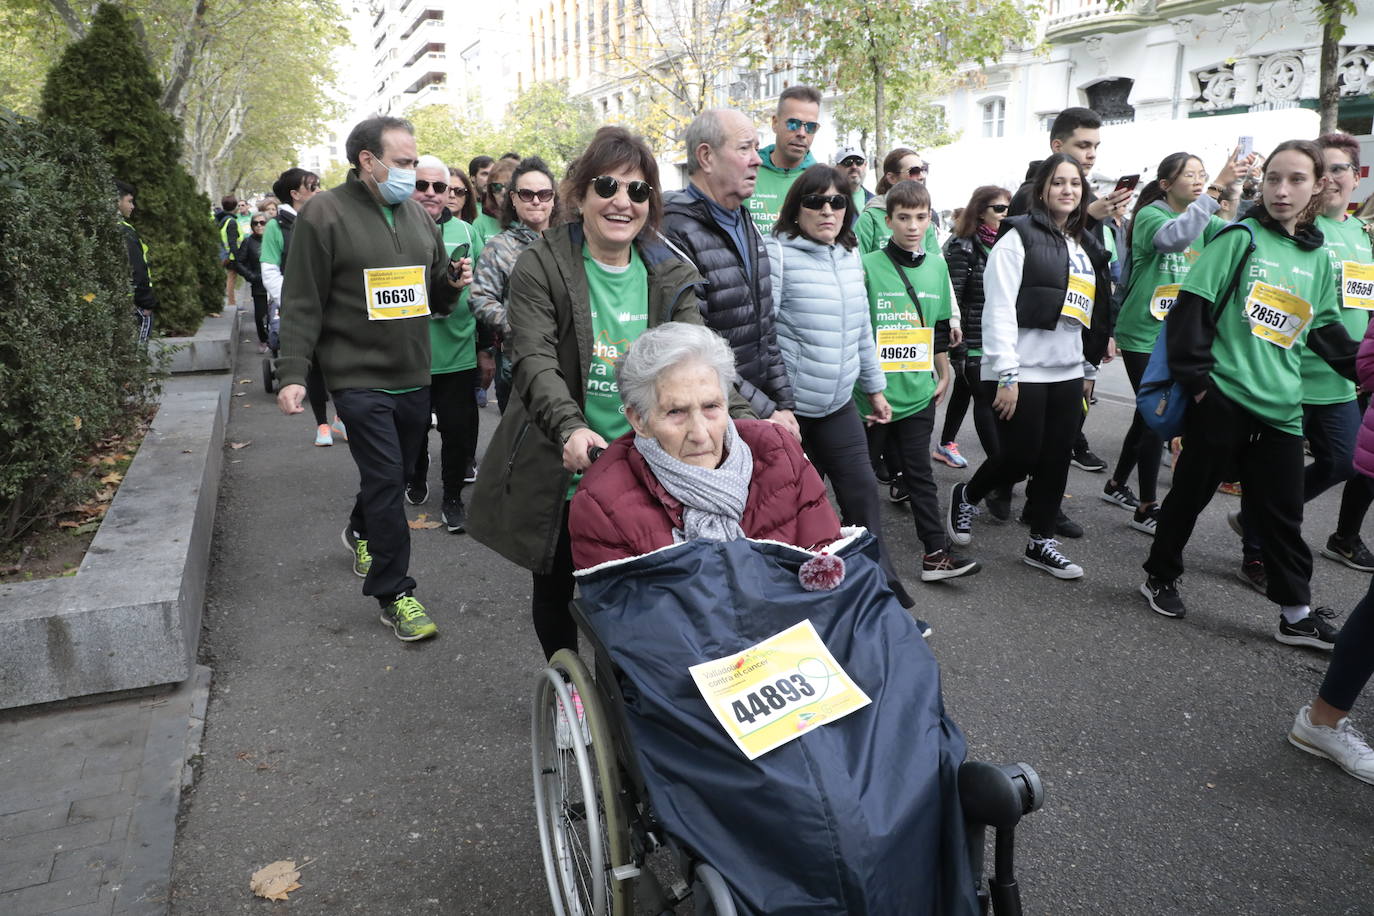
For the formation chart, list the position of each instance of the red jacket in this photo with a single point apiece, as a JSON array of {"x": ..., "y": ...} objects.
[
  {"x": 1364, "y": 371},
  {"x": 621, "y": 510}
]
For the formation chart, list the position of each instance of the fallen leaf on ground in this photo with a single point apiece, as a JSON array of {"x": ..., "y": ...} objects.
[
  {"x": 277, "y": 880},
  {"x": 237, "y": 445},
  {"x": 68, "y": 524},
  {"x": 112, "y": 477},
  {"x": 422, "y": 521},
  {"x": 245, "y": 381},
  {"x": 89, "y": 297},
  {"x": 239, "y": 394}
]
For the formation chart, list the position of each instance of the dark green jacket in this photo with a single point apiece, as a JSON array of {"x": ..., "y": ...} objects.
[
  {"x": 338, "y": 234},
  {"x": 517, "y": 502}
]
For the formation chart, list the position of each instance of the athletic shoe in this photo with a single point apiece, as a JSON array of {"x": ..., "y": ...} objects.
[
  {"x": 1230, "y": 488},
  {"x": 357, "y": 549},
  {"x": 1314, "y": 630},
  {"x": 340, "y": 431},
  {"x": 925, "y": 628},
  {"x": 1145, "y": 519},
  {"x": 944, "y": 564},
  {"x": 563, "y": 733},
  {"x": 1044, "y": 554},
  {"x": 1352, "y": 553},
  {"x": 454, "y": 516},
  {"x": 470, "y": 475},
  {"x": 884, "y": 477},
  {"x": 1234, "y": 520},
  {"x": 262, "y": 348},
  {"x": 1085, "y": 460},
  {"x": 959, "y": 521},
  {"x": 1163, "y": 597},
  {"x": 407, "y": 618},
  {"x": 1118, "y": 494},
  {"x": 322, "y": 435},
  {"x": 1342, "y": 745},
  {"x": 1253, "y": 574},
  {"x": 897, "y": 492},
  {"x": 999, "y": 504},
  {"x": 481, "y": 396},
  {"x": 1064, "y": 526},
  {"x": 949, "y": 454},
  {"x": 417, "y": 494}
]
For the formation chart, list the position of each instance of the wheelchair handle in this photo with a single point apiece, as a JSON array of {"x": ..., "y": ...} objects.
[{"x": 999, "y": 795}]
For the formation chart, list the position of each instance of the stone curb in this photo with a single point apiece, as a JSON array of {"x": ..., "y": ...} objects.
[{"x": 210, "y": 349}]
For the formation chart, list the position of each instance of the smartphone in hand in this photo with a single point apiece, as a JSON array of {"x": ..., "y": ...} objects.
[
  {"x": 1127, "y": 182},
  {"x": 1246, "y": 146}
]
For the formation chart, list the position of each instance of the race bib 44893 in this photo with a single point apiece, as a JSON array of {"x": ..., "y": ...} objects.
[
  {"x": 1276, "y": 315},
  {"x": 396, "y": 292}
]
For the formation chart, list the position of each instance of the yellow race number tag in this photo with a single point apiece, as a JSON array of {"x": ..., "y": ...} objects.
[
  {"x": 1162, "y": 302},
  {"x": 1357, "y": 285},
  {"x": 395, "y": 292},
  {"x": 778, "y": 690},
  {"x": 1078, "y": 300},
  {"x": 906, "y": 349},
  {"x": 1276, "y": 315}
]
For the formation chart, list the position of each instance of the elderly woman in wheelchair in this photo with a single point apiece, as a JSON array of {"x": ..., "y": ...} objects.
[{"x": 761, "y": 704}]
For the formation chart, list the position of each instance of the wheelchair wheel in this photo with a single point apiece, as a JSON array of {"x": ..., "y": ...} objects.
[
  {"x": 711, "y": 893},
  {"x": 269, "y": 375},
  {"x": 583, "y": 831}
]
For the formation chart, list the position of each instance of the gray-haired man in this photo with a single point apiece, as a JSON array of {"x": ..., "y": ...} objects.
[{"x": 708, "y": 227}]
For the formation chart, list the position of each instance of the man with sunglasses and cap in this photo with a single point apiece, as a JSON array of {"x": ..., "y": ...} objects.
[
  {"x": 795, "y": 124},
  {"x": 709, "y": 228},
  {"x": 852, "y": 165}
]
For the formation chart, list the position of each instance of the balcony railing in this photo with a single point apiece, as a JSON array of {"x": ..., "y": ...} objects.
[{"x": 1066, "y": 20}]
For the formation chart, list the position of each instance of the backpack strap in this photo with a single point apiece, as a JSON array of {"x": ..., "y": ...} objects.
[{"x": 1240, "y": 267}]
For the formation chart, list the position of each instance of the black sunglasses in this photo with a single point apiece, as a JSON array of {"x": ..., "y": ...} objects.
[
  {"x": 798, "y": 124},
  {"x": 258, "y": 222},
  {"x": 544, "y": 195},
  {"x": 998, "y": 208},
  {"x": 439, "y": 186},
  {"x": 917, "y": 170},
  {"x": 458, "y": 190},
  {"x": 816, "y": 201},
  {"x": 852, "y": 161},
  {"x": 606, "y": 186},
  {"x": 495, "y": 187}
]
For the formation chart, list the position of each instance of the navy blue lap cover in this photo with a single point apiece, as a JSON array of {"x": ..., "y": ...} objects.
[{"x": 860, "y": 816}]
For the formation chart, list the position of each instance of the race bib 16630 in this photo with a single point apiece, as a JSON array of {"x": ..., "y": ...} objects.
[{"x": 396, "y": 292}]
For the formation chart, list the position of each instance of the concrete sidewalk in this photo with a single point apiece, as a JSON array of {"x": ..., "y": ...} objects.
[{"x": 88, "y": 799}]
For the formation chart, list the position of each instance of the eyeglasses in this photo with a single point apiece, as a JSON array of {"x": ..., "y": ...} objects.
[
  {"x": 817, "y": 201},
  {"x": 999, "y": 208},
  {"x": 1337, "y": 168},
  {"x": 852, "y": 161},
  {"x": 544, "y": 195},
  {"x": 606, "y": 186},
  {"x": 917, "y": 170},
  {"x": 798, "y": 124},
  {"x": 458, "y": 190},
  {"x": 439, "y": 186},
  {"x": 495, "y": 187},
  {"x": 312, "y": 187}
]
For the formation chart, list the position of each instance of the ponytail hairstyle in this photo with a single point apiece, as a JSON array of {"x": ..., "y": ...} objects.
[
  {"x": 891, "y": 162},
  {"x": 1073, "y": 226},
  {"x": 1168, "y": 170},
  {"x": 1314, "y": 206}
]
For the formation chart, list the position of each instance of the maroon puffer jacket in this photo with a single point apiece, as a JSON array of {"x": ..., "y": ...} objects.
[
  {"x": 1364, "y": 371},
  {"x": 621, "y": 510}
]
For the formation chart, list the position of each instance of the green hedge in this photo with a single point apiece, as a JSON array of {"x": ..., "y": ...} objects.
[
  {"x": 71, "y": 368},
  {"x": 104, "y": 82}
]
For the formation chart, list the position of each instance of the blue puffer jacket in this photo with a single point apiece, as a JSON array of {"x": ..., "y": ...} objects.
[{"x": 823, "y": 324}]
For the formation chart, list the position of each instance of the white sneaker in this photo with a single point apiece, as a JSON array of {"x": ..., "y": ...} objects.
[{"x": 1342, "y": 745}]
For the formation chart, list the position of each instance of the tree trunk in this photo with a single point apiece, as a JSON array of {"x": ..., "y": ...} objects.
[
  {"x": 1329, "y": 93},
  {"x": 879, "y": 113},
  {"x": 75, "y": 24},
  {"x": 189, "y": 47}
]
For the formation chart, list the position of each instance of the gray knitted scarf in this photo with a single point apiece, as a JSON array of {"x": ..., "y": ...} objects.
[{"x": 712, "y": 498}]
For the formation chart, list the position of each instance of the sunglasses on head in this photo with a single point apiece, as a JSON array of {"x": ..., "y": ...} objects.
[
  {"x": 798, "y": 124},
  {"x": 543, "y": 195},
  {"x": 606, "y": 186},
  {"x": 816, "y": 201},
  {"x": 998, "y": 208},
  {"x": 439, "y": 186}
]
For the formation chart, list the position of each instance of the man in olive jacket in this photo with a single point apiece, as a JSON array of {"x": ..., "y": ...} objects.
[{"x": 367, "y": 267}]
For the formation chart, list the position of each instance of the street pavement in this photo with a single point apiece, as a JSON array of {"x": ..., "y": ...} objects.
[{"x": 401, "y": 772}]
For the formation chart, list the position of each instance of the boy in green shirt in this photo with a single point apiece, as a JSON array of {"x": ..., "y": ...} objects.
[{"x": 909, "y": 301}]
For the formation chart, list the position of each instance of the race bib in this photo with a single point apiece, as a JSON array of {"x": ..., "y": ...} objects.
[
  {"x": 906, "y": 349},
  {"x": 1163, "y": 300},
  {"x": 1357, "y": 285},
  {"x": 395, "y": 292},
  {"x": 1276, "y": 315},
  {"x": 1078, "y": 300},
  {"x": 778, "y": 690}
]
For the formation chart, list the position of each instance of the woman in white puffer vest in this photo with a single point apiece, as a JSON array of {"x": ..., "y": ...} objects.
[{"x": 825, "y": 334}]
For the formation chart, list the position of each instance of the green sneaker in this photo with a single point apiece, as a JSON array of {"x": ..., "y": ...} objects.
[
  {"x": 406, "y": 615},
  {"x": 357, "y": 547}
]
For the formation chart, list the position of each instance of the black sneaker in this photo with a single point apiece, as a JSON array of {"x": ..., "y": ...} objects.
[
  {"x": 1085, "y": 460},
  {"x": 883, "y": 476},
  {"x": 1146, "y": 519},
  {"x": 1118, "y": 494},
  {"x": 1314, "y": 630},
  {"x": 1352, "y": 553},
  {"x": 470, "y": 475},
  {"x": 1043, "y": 553},
  {"x": 1253, "y": 574},
  {"x": 1163, "y": 597},
  {"x": 959, "y": 521},
  {"x": 999, "y": 504},
  {"x": 1064, "y": 526},
  {"x": 454, "y": 516},
  {"x": 417, "y": 493},
  {"x": 944, "y": 564},
  {"x": 897, "y": 491}
]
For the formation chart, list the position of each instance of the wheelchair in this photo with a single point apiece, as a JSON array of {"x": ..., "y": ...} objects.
[{"x": 603, "y": 849}]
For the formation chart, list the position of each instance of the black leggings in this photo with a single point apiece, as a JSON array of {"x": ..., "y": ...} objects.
[
  {"x": 1352, "y": 658},
  {"x": 553, "y": 592},
  {"x": 316, "y": 392},
  {"x": 260, "y": 315},
  {"x": 959, "y": 396},
  {"x": 1142, "y": 449}
]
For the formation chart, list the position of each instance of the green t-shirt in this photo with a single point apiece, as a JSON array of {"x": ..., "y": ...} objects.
[
  {"x": 1136, "y": 327},
  {"x": 245, "y": 221},
  {"x": 872, "y": 232},
  {"x": 1261, "y": 376},
  {"x": 487, "y": 226},
  {"x": 272, "y": 242},
  {"x": 453, "y": 338},
  {"x": 891, "y": 308},
  {"x": 1345, "y": 241},
  {"x": 770, "y": 190}
]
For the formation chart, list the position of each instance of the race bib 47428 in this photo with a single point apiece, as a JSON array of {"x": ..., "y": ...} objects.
[
  {"x": 396, "y": 292},
  {"x": 1276, "y": 315}
]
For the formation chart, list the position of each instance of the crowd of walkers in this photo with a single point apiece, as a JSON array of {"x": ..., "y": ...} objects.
[{"x": 851, "y": 317}]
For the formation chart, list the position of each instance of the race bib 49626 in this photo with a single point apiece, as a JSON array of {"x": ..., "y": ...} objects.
[
  {"x": 1276, "y": 315},
  {"x": 906, "y": 349},
  {"x": 396, "y": 292}
]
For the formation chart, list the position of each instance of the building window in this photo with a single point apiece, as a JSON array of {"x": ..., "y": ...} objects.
[
  {"x": 1109, "y": 99},
  {"x": 994, "y": 117}
]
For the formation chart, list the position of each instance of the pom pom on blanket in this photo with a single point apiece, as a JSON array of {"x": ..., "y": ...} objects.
[{"x": 821, "y": 572}]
